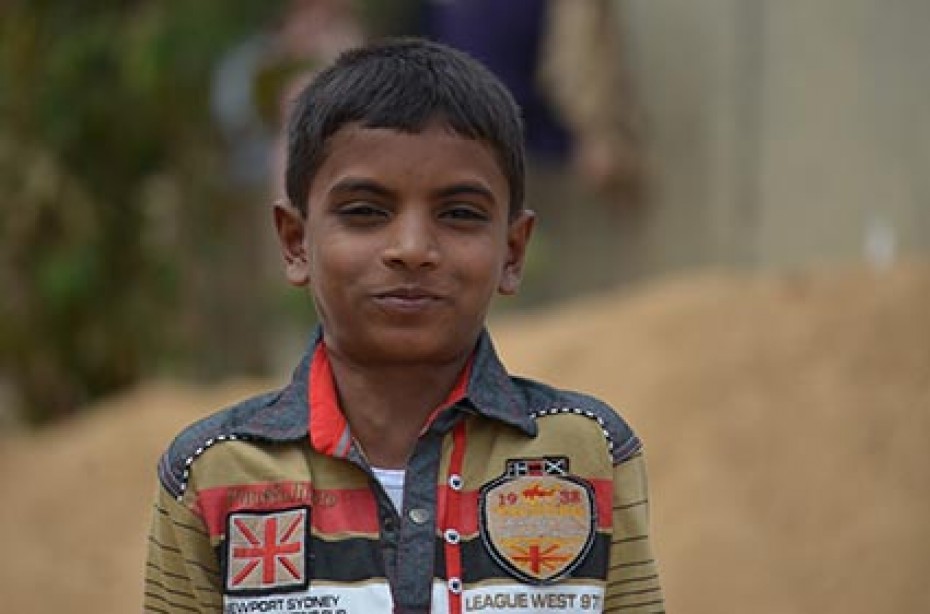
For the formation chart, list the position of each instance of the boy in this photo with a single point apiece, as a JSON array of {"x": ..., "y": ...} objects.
[{"x": 403, "y": 469}]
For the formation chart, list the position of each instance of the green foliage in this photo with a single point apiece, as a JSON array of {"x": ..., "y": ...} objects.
[{"x": 111, "y": 174}]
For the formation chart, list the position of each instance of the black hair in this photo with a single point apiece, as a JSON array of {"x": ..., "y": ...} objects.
[{"x": 403, "y": 84}]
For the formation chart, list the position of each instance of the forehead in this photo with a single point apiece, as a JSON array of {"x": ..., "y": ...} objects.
[{"x": 434, "y": 155}]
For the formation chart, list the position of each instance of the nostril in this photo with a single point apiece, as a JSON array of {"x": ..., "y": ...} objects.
[{"x": 412, "y": 255}]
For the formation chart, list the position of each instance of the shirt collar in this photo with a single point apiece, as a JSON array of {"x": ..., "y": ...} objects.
[
  {"x": 489, "y": 392},
  {"x": 328, "y": 428}
]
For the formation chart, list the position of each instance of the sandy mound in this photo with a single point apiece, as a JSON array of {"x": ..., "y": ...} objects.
[
  {"x": 78, "y": 497},
  {"x": 786, "y": 421}
]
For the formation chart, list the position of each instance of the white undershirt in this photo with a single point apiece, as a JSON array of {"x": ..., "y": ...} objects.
[{"x": 392, "y": 480}]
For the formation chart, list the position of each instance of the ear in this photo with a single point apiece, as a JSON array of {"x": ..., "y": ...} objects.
[
  {"x": 518, "y": 237},
  {"x": 292, "y": 233}
]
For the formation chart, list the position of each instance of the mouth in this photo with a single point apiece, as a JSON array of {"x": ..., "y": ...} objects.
[{"x": 407, "y": 298}]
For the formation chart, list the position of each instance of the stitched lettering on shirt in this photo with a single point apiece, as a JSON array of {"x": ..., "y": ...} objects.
[
  {"x": 305, "y": 604},
  {"x": 533, "y": 600}
]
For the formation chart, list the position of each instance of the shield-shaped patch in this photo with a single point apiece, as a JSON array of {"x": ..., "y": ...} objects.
[{"x": 537, "y": 520}]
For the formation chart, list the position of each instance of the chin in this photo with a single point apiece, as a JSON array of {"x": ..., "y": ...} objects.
[{"x": 412, "y": 346}]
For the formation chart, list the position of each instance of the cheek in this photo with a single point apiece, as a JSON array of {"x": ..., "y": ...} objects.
[
  {"x": 332, "y": 268},
  {"x": 334, "y": 257},
  {"x": 482, "y": 267}
]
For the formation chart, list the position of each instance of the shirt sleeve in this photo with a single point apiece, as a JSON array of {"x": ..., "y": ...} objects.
[
  {"x": 181, "y": 572},
  {"x": 633, "y": 578}
]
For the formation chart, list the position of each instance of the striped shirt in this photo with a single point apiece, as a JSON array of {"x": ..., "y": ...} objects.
[{"x": 518, "y": 498}]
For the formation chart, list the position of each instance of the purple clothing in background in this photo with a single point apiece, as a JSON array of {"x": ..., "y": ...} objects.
[{"x": 505, "y": 35}]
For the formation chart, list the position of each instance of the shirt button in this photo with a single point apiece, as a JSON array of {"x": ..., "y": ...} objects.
[
  {"x": 418, "y": 515},
  {"x": 452, "y": 536}
]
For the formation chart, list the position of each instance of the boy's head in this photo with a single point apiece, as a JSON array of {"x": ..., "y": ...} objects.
[
  {"x": 404, "y": 84},
  {"x": 405, "y": 181}
]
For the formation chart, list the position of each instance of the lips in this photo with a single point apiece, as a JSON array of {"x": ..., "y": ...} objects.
[{"x": 408, "y": 299}]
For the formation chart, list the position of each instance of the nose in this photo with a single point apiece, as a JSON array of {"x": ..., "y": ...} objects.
[{"x": 412, "y": 242}]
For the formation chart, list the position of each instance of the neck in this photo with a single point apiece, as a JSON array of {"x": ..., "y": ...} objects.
[{"x": 387, "y": 406}]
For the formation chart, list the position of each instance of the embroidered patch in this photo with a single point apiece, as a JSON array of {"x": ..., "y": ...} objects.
[
  {"x": 537, "y": 520},
  {"x": 266, "y": 551}
]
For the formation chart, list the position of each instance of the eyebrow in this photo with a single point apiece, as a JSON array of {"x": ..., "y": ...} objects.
[
  {"x": 461, "y": 189},
  {"x": 353, "y": 184}
]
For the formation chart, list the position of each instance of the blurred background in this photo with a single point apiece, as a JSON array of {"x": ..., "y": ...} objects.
[{"x": 733, "y": 248}]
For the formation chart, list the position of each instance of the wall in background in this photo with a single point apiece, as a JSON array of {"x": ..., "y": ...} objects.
[{"x": 785, "y": 133}]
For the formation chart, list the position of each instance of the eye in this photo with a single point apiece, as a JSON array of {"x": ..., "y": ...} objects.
[
  {"x": 362, "y": 213},
  {"x": 464, "y": 212}
]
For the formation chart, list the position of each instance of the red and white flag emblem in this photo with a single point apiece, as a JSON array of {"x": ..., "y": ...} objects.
[{"x": 266, "y": 550}]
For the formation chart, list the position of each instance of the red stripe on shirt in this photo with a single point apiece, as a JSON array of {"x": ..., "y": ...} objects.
[{"x": 348, "y": 510}]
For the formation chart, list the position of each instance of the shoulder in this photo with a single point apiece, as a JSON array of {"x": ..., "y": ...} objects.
[
  {"x": 544, "y": 401},
  {"x": 235, "y": 422}
]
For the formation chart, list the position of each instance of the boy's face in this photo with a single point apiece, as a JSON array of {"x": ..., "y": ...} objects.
[{"x": 407, "y": 238}]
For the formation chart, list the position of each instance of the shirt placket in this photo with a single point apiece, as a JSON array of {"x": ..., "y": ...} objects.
[{"x": 416, "y": 543}]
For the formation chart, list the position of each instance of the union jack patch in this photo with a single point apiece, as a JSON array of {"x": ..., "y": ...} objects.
[
  {"x": 266, "y": 551},
  {"x": 536, "y": 520}
]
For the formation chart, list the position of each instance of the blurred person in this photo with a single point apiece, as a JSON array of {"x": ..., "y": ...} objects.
[
  {"x": 403, "y": 469},
  {"x": 257, "y": 79},
  {"x": 508, "y": 38},
  {"x": 583, "y": 73}
]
